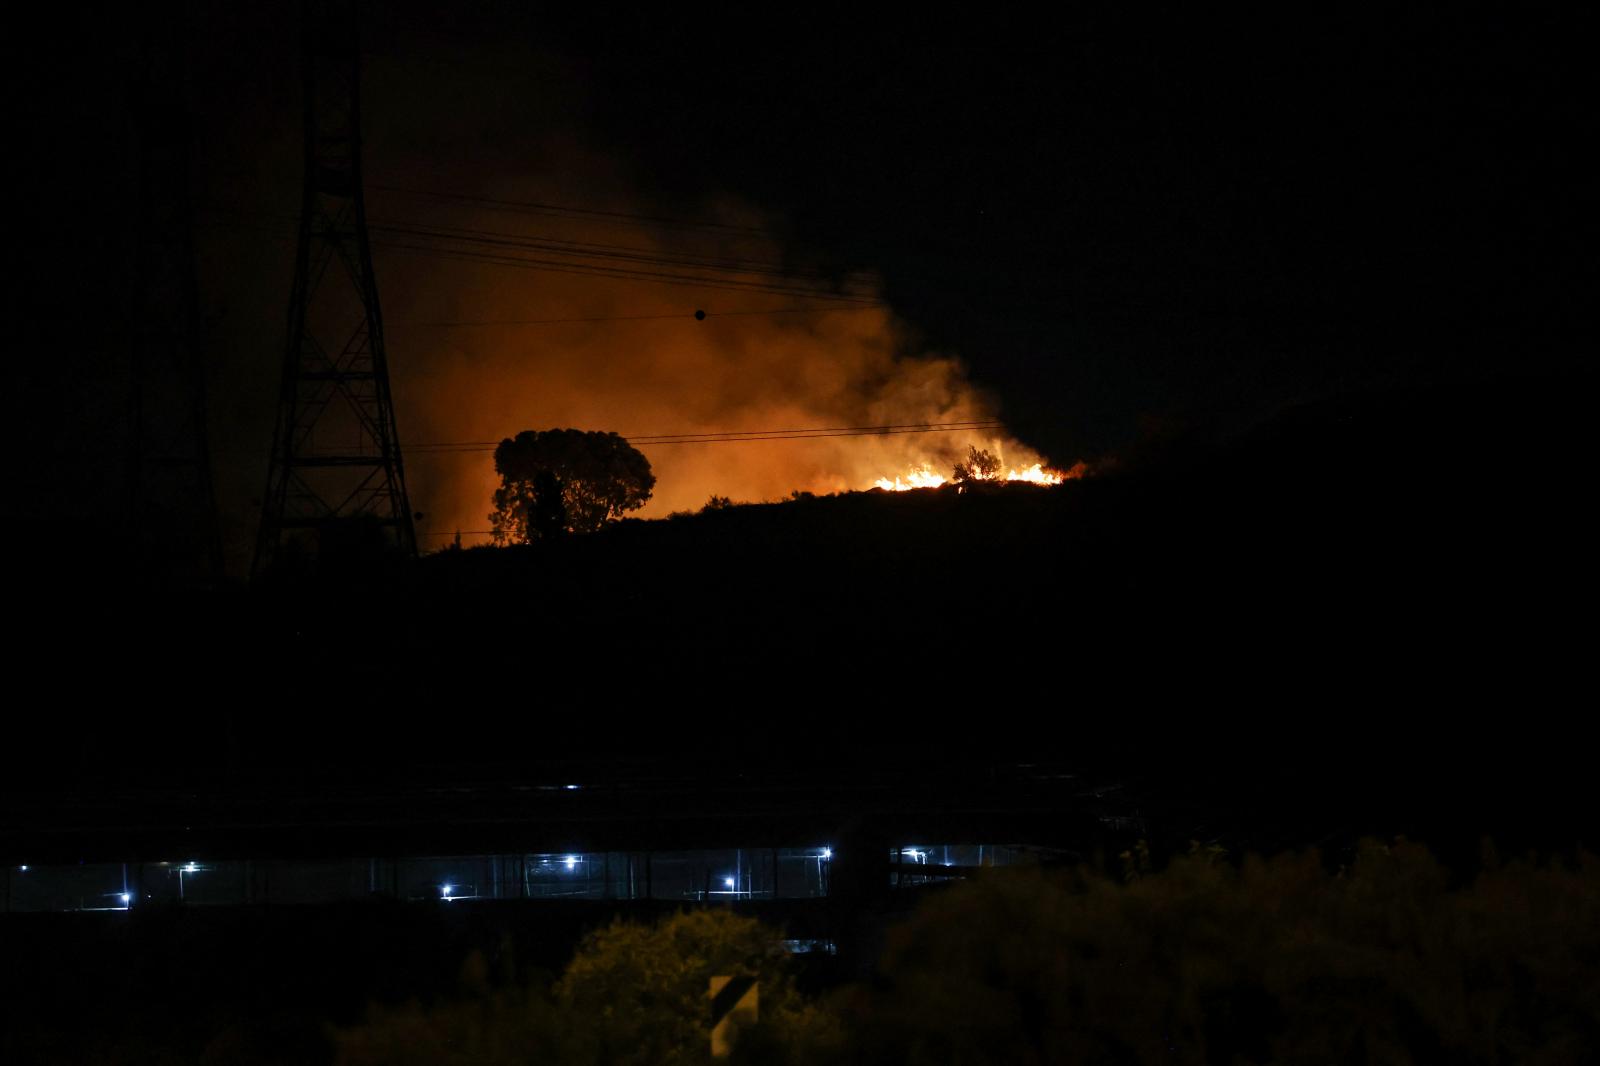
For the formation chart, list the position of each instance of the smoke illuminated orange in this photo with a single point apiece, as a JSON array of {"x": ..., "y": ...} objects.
[{"x": 535, "y": 350}]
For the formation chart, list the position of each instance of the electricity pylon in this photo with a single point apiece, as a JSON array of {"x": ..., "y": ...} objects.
[{"x": 335, "y": 451}]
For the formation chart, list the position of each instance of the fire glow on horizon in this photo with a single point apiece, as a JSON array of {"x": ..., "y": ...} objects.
[
  {"x": 623, "y": 355},
  {"x": 925, "y": 478}
]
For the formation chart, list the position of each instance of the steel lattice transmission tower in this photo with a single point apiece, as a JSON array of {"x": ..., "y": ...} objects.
[{"x": 335, "y": 451}]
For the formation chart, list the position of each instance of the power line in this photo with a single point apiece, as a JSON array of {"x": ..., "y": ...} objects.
[
  {"x": 563, "y": 246},
  {"x": 602, "y": 250},
  {"x": 698, "y": 314},
  {"x": 742, "y": 436},
  {"x": 627, "y": 273},
  {"x": 736, "y": 436},
  {"x": 844, "y": 304},
  {"x": 729, "y": 438},
  {"x": 676, "y": 270},
  {"x": 906, "y": 427},
  {"x": 636, "y": 318},
  {"x": 565, "y": 211}
]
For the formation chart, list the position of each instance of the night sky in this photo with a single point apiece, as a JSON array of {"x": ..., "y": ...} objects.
[
  {"x": 1180, "y": 216},
  {"x": 1114, "y": 227}
]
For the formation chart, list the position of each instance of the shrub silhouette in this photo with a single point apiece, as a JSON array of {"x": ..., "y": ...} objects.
[
  {"x": 978, "y": 466},
  {"x": 633, "y": 994},
  {"x": 1273, "y": 961}
]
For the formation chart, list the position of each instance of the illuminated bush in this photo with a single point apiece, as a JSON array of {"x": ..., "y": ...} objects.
[{"x": 633, "y": 995}]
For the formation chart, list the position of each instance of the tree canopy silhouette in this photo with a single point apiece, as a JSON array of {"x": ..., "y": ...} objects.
[
  {"x": 633, "y": 995},
  {"x": 559, "y": 481},
  {"x": 978, "y": 466}
]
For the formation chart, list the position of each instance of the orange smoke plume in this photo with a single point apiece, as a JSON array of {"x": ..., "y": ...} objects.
[{"x": 481, "y": 351}]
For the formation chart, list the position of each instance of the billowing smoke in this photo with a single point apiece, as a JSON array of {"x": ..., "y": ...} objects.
[
  {"x": 484, "y": 350},
  {"x": 473, "y": 353}
]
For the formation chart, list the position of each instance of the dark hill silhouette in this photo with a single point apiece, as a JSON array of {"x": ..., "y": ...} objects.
[{"x": 1368, "y": 602}]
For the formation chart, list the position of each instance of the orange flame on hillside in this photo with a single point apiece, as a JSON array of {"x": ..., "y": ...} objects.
[
  {"x": 1037, "y": 474},
  {"x": 914, "y": 479}
]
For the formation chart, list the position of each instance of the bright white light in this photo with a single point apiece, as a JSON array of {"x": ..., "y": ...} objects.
[
  {"x": 190, "y": 868},
  {"x": 916, "y": 856},
  {"x": 827, "y": 853},
  {"x": 24, "y": 869},
  {"x": 444, "y": 890},
  {"x": 572, "y": 788},
  {"x": 728, "y": 881},
  {"x": 571, "y": 861},
  {"x": 125, "y": 897}
]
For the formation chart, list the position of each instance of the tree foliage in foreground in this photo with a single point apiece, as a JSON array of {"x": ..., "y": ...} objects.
[
  {"x": 1273, "y": 961},
  {"x": 649, "y": 984},
  {"x": 1268, "y": 961},
  {"x": 559, "y": 481},
  {"x": 633, "y": 995}
]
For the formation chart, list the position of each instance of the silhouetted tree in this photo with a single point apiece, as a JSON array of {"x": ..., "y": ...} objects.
[
  {"x": 637, "y": 993},
  {"x": 978, "y": 466},
  {"x": 633, "y": 994},
  {"x": 565, "y": 481},
  {"x": 549, "y": 516}
]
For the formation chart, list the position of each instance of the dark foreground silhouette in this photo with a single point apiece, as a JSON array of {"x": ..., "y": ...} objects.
[
  {"x": 1389, "y": 957},
  {"x": 1368, "y": 609}
]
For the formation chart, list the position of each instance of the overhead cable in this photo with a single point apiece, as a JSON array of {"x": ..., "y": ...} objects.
[{"x": 741, "y": 436}]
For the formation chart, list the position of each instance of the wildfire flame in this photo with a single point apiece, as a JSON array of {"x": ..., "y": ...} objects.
[
  {"x": 916, "y": 479},
  {"x": 925, "y": 478},
  {"x": 1038, "y": 475}
]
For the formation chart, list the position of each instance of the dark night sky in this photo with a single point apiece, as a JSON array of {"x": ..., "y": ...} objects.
[
  {"x": 1194, "y": 217},
  {"x": 1118, "y": 223}
]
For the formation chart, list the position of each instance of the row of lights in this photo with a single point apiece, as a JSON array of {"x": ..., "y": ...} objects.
[
  {"x": 570, "y": 860},
  {"x": 447, "y": 890}
]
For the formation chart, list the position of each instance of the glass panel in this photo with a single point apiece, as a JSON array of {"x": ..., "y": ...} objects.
[
  {"x": 920, "y": 864},
  {"x": 320, "y": 881},
  {"x": 710, "y": 876},
  {"x": 802, "y": 873},
  {"x": 569, "y": 875},
  {"x": 193, "y": 882},
  {"x": 83, "y": 887}
]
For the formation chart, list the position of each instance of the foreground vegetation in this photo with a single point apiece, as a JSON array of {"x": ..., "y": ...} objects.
[{"x": 1275, "y": 960}]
